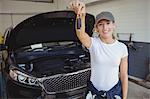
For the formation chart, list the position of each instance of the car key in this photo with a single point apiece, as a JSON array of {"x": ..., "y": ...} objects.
[{"x": 78, "y": 23}]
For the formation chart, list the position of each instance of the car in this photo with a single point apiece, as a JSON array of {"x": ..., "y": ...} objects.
[{"x": 43, "y": 58}]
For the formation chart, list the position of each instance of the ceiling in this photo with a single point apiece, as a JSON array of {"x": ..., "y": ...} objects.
[
  {"x": 87, "y": 2},
  {"x": 42, "y": 1}
]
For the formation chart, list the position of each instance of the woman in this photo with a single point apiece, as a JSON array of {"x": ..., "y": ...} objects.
[{"x": 108, "y": 56}]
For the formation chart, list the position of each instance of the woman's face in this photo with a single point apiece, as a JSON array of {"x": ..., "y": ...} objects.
[{"x": 105, "y": 28}]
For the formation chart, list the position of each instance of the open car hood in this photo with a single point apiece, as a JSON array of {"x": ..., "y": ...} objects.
[{"x": 47, "y": 27}]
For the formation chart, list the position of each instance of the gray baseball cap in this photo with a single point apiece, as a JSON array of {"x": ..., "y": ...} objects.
[{"x": 105, "y": 15}]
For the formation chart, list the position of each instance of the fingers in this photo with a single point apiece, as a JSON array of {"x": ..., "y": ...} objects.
[
  {"x": 71, "y": 5},
  {"x": 81, "y": 9},
  {"x": 76, "y": 3},
  {"x": 78, "y": 7}
]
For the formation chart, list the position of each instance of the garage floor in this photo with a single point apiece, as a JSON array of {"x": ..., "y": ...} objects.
[
  {"x": 135, "y": 91},
  {"x": 138, "y": 92}
]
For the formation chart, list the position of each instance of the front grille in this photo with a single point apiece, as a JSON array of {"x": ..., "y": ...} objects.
[{"x": 65, "y": 82}]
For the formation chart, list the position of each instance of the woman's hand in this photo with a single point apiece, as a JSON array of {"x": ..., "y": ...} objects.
[{"x": 78, "y": 7}]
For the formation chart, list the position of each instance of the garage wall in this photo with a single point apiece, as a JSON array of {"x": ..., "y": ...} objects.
[
  {"x": 149, "y": 19},
  {"x": 63, "y": 4},
  {"x": 22, "y": 10},
  {"x": 132, "y": 16},
  {"x": 0, "y": 16}
]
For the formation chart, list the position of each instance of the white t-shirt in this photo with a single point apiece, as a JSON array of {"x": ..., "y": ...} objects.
[{"x": 105, "y": 61}]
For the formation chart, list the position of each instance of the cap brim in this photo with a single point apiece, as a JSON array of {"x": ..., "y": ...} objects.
[{"x": 104, "y": 18}]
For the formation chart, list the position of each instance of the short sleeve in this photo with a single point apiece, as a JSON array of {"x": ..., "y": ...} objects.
[{"x": 125, "y": 51}]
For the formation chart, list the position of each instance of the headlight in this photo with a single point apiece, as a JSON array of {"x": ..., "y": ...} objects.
[
  {"x": 23, "y": 78},
  {"x": 13, "y": 74}
]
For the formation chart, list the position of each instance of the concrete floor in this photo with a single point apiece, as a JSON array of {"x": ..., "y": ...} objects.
[{"x": 136, "y": 91}]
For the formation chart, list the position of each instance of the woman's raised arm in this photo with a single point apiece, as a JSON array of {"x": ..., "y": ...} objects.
[{"x": 79, "y": 8}]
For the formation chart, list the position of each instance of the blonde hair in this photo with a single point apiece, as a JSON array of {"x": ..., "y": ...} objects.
[{"x": 114, "y": 35}]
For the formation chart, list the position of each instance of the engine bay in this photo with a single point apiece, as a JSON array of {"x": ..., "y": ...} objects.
[{"x": 53, "y": 58}]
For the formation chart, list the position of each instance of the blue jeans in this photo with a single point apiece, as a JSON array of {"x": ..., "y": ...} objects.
[{"x": 113, "y": 93}]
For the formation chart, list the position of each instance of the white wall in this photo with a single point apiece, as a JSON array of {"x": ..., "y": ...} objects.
[
  {"x": 131, "y": 17},
  {"x": 28, "y": 8},
  {"x": 63, "y": 4},
  {"x": 0, "y": 16},
  {"x": 148, "y": 19}
]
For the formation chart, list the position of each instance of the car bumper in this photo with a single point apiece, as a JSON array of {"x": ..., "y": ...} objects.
[{"x": 17, "y": 90}]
